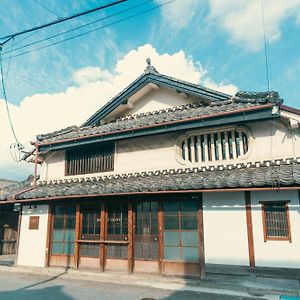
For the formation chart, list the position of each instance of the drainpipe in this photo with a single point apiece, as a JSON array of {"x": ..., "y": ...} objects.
[{"x": 34, "y": 176}]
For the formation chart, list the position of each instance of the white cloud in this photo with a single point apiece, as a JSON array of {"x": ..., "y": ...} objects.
[
  {"x": 91, "y": 74},
  {"x": 42, "y": 113},
  {"x": 241, "y": 19},
  {"x": 179, "y": 13}
]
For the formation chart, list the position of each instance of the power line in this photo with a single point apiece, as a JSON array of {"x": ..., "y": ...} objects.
[
  {"x": 6, "y": 101},
  {"x": 93, "y": 30},
  {"x": 265, "y": 44},
  {"x": 10, "y": 36},
  {"x": 47, "y": 8},
  {"x": 78, "y": 27}
]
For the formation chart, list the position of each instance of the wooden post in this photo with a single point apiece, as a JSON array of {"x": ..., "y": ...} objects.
[
  {"x": 77, "y": 232},
  {"x": 249, "y": 229},
  {"x": 49, "y": 235},
  {"x": 160, "y": 237},
  {"x": 201, "y": 237},
  {"x": 102, "y": 237},
  {"x": 18, "y": 235},
  {"x": 130, "y": 238}
]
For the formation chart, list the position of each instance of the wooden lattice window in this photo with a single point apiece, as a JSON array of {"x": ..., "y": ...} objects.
[
  {"x": 276, "y": 221},
  {"x": 214, "y": 146},
  {"x": 90, "y": 160}
]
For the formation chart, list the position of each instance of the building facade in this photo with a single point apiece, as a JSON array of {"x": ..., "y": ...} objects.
[{"x": 167, "y": 178}]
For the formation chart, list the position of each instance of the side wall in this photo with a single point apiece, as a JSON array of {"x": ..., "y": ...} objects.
[
  {"x": 32, "y": 243},
  {"x": 225, "y": 229},
  {"x": 276, "y": 253}
]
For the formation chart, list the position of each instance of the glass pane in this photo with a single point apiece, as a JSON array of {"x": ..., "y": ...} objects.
[
  {"x": 69, "y": 248},
  {"x": 58, "y": 223},
  {"x": 154, "y": 206},
  {"x": 171, "y": 238},
  {"x": 189, "y": 206},
  {"x": 190, "y": 254},
  {"x": 59, "y": 210},
  {"x": 171, "y": 222},
  {"x": 189, "y": 238},
  {"x": 171, "y": 207},
  {"x": 58, "y": 235},
  {"x": 70, "y": 223},
  {"x": 189, "y": 223},
  {"x": 57, "y": 248},
  {"x": 69, "y": 235},
  {"x": 70, "y": 210},
  {"x": 172, "y": 253}
]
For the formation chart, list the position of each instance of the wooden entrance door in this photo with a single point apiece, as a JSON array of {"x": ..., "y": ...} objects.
[
  {"x": 89, "y": 236},
  {"x": 146, "y": 236},
  {"x": 8, "y": 231},
  {"x": 116, "y": 236}
]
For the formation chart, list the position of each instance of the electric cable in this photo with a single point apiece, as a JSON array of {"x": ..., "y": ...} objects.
[
  {"x": 47, "y": 8},
  {"x": 265, "y": 44},
  {"x": 78, "y": 27},
  {"x": 10, "y": 36},
  {"x": 93, "y": 30}
]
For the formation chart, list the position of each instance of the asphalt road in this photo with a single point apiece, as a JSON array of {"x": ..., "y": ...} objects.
[{"x": 23, "y": 286}]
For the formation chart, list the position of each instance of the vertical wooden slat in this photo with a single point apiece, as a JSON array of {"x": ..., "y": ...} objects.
[
  {"x": 102, "y": 237},
  {"x": 77, "y": 237},
  {"x": 192, "y": 146},
  {"x": 185, "y": 150},
  {"x": 220, "y": 146},
  {"x": 212, "y": 147},
  {"x": 241, "y": 143},
  {"x": 18, "y": 235},
  {"x": 198, "y": 149},
  {"x": 226, "y": 145},
  {"x": 249, "y": 229},
  {"x": 233, "y": 142},
  {"x": 206, "y": 148},
  {"x": 160, "y": 237},
  {"x": 130, "y": 238},
  {"x": 49, "y": 235},
  {"x": 201, "y": 237}
]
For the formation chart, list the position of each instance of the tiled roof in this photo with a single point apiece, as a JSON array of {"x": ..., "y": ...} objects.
[
  {"x": 10, "y": 190},
  {"x": 179, "y": 113},
  {"x": 280, "y": 173}
]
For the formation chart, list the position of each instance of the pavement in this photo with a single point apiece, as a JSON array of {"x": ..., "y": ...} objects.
[{"x": 68, "y": 284}]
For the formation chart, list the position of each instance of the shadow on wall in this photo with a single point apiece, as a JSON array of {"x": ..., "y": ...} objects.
[{"x": 48, "y": 293}]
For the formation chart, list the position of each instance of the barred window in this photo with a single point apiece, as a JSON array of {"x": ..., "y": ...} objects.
[
  {"x": 215, "y": 146},
  {"x": 90, "y": 160},
  {"x": 276, "y": 221}
]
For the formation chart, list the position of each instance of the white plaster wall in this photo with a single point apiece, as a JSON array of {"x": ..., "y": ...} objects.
[
  {"x": 276, "y": 253},
  {"x": 32, "y": 243},
  {"x": 157, "y": 99},
  {"x": 225, "y": 228}
]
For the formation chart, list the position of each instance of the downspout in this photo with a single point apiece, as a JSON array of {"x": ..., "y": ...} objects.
[{"x": 34, "y": 176}]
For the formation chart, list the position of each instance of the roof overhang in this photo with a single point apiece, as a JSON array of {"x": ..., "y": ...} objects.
[
  {"x": 157, "y": 80},
  {"x": 262, "y": 112}
]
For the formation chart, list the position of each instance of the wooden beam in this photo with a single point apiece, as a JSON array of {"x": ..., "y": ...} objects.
[
  {"x": 49, "y": 235},
  {"x": 201, "y": 237},
  {"x": 18, "y": 235},
  {"x": 160, "y": 237},
  {"x": 77, "y": 233},
  {"x": 102, "y": 237},
  {"x": 249, "y": 229},
  {"x": 130, "y": 238}
]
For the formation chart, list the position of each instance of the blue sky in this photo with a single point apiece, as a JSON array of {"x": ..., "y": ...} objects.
[{"x": 214, "y": 43}]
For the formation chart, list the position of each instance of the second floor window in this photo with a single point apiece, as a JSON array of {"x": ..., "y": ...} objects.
[
  {"x": 214, "y": 146},
  {"x": 90, "y": 160}
]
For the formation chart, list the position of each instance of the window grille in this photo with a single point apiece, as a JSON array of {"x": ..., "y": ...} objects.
[
  {"x": 276, "y": 221},
  {"x": 214, "y": 146},
  {"x": 90, "y": 160}
]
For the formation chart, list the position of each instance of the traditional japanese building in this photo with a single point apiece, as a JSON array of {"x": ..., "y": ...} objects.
[{"x": 169, "y": 178}]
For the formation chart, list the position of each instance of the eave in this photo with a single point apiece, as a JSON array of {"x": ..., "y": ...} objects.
[
  {"x": 262, "y": 112},
  {"x": 160, "y": 80}
]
